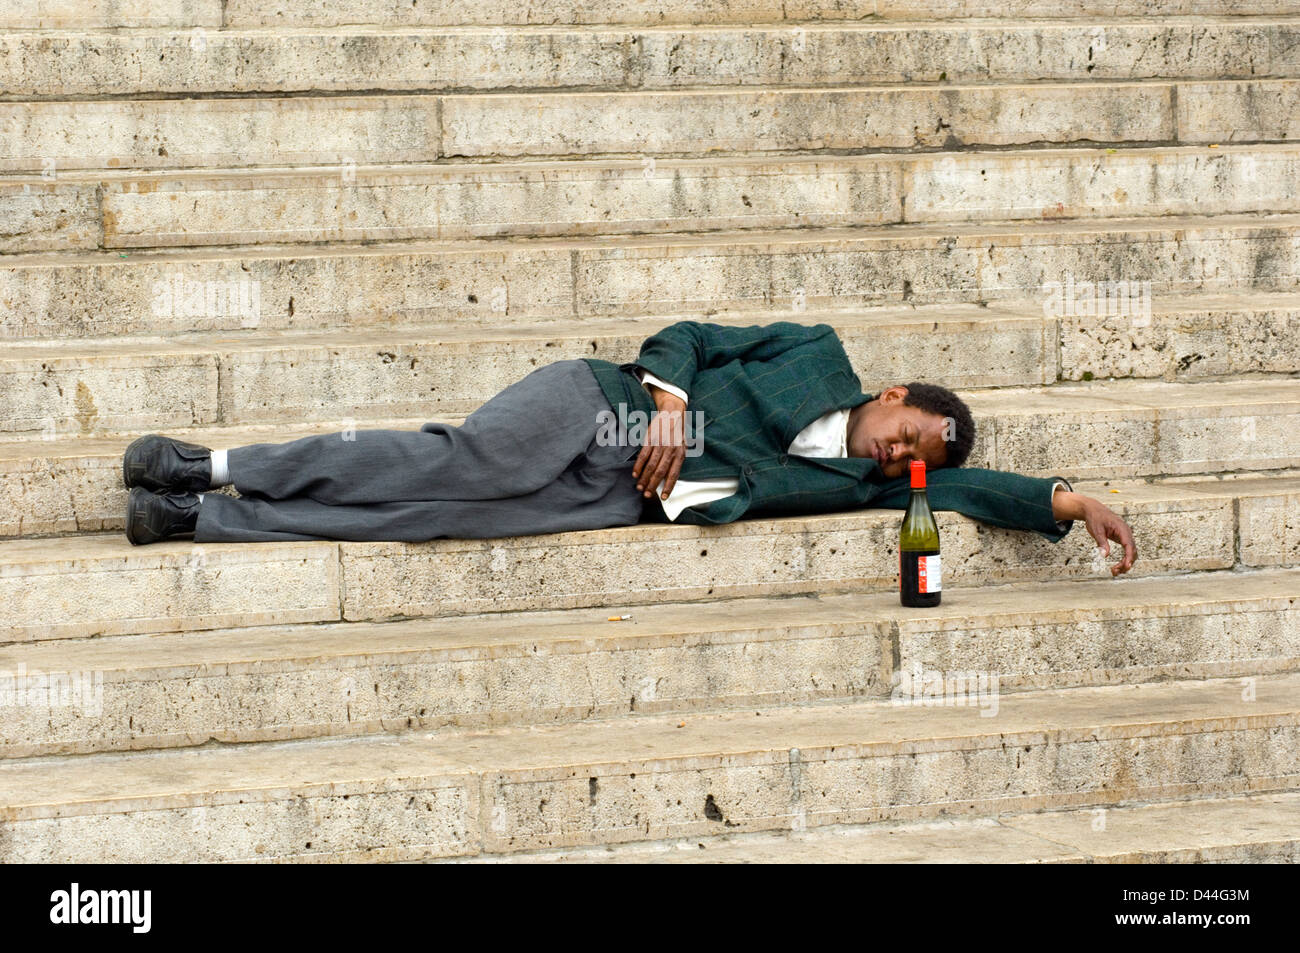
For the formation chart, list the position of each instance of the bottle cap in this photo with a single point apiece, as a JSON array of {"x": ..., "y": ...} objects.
[{"x": 917, "y": 469}]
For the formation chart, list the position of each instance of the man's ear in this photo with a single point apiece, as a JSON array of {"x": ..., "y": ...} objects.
[{"x": 893, "y": 395}]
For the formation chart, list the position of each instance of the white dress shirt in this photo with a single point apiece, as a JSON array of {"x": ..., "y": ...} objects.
[{"x": 827, "y": 436}]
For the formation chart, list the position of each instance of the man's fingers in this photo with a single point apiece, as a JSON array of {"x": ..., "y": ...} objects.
[
  {"x": 652, "y": 475},
  {"x": 1124, "y": 537},
  {"x": 656, "y": 476},
  {"x": 1103, "y": 532},
  {"x": 660, "y": 458},
  {"x": 1120, "y": 532},
  {"x": 1123, "y": 564},
  {"x": 638, "y": 468},
  {"x": 663, "y": 469},
  {"x": 645, "y": 460},
  {"x": 1105, "y": 525},
  {"x": 671, "y": 480},
  {"x": 1099, "y": 534}
]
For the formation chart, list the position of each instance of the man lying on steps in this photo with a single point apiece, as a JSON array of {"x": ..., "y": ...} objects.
[{"x": 782, "y": 427}]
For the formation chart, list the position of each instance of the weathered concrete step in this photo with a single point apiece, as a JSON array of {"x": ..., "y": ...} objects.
[
  {"x": 1185, "y": 337},
  {"x": 492, "y": 12},
  {"x": 1252, "y": 829},
  {"x": 54, "y": 389},
  {"x": 100, "y": 585},
  {"x": 64, "y": 483},
  {"x": 352, "y": 59},
  {"x": 46, "y": 137},
  {"x": 592, "y": 198},
  {"x": 884, "y": 118},
  {"x": 453, "y": 369},
  {"x": 1183, "y": 528},
  {"x": 755, "y": 273},
  {"x": 91, "y": 14},
  {"x": 1139, "y": 428},
  {"x": 656, "y": 777},
  {"x": 276, "y": 683}
]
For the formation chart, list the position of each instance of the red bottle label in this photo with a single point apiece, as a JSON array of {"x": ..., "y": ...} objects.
[{"x": 929, "y": 576}]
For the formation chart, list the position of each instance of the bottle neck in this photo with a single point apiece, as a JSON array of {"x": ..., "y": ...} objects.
[{"x": 916, "y": 471}]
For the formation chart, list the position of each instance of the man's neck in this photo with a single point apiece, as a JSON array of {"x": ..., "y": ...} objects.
[{"x": 850, "y": 426}]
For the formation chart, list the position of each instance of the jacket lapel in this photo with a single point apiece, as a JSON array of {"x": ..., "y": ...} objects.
[{"x": 846, "y": 395}]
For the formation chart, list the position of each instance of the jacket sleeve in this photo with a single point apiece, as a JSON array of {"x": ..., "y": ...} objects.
[
  {"x": 1008, "y": 500},
  {"x": 680, "y": 351}
]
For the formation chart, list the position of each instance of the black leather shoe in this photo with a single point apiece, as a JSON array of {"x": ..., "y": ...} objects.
[
  {"x": 160, "y": 464},
  {"x": 154, "y": 516}
]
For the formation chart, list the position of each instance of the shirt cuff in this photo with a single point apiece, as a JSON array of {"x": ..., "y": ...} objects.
[
  {"x": 1063, "y": 526},
  {"x": 645, "y": 377}
]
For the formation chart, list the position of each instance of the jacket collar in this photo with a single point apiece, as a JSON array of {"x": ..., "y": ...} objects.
[
  {"x": 858, "y": 468},
  {"x": 846, "y": 393}
]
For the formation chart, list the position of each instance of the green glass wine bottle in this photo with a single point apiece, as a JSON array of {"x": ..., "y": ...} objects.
[{"x": 920, "y": 579}]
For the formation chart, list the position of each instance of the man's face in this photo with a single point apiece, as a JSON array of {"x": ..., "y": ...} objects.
[{"x": 894, "y": 434}]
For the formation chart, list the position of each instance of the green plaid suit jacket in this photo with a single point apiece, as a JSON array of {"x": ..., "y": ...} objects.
[{"x": 756, "y": 388}]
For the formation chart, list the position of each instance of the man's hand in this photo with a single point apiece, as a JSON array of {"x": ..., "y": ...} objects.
[
  {"x": 665, "y": 444},
  {"x": 1102, "y": 522}
]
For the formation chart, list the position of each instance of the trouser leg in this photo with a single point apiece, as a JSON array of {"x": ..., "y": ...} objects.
[
  {"x": 514, "y": 444},
  {"x": 596, "y": 491}
]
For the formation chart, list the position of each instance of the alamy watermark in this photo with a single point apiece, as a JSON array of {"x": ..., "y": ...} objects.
[
  {"x": 931, "y": 688},
  {"x": 624, "y": 428},
  {"x": 78, "y": 904},
  {"x": 1096, "y": 299},
  {"x": 33, "y": 688},
  {"x": 179, "y": 297}
]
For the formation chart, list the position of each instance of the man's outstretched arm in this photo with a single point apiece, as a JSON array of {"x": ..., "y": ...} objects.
[{"x": 1013, "y": 501}]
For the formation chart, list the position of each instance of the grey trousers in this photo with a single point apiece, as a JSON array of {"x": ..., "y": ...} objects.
[{"x": 525, "y": 462}]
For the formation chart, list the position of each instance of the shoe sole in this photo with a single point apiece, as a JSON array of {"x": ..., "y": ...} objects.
[
  {"x": 132, "y": 508},
  {"x": 126, "y": 454}
]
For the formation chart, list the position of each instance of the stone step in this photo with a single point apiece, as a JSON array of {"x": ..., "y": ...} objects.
[
  {"x": 92, "y": 14},
  {"x": 1257, "y": 829},
  {"x": 57, "y": 389},
  {"x": 473, "y": 284},
  {"x": 239, "y": 14},
  {"x": 899, "y": 117},
  {"x": 352, "y": 59},
  {"x": 593, "y": 198},
  {"x": 97, "y": 585},
  {"x": 535, "y": 668},
  {"x": 47, "y": 137},
  {"x": 654, "y": 777},
  {"x": 66, "y": 483},
  {"x": 452, "y": 368},
  {"x": 1185, "y": 337},
  {"x": 53, "y": 389},
  {"x": 1139, "y": 428}
]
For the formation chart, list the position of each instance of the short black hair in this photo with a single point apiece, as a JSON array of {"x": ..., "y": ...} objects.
[{"x": 933, "y": 399}]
